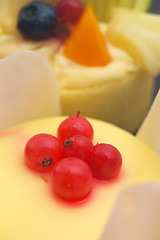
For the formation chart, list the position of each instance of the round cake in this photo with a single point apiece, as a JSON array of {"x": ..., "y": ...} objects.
[
  {"x": 112, "y": 92},
  {"x": 29, "y": 210}
]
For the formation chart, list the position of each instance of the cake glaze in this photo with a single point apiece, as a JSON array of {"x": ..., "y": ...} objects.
[{"x": 30, "y": 211}]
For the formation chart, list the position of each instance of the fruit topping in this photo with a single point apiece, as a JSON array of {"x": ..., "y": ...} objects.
[
  {"x": 72, "y": 179},
  {"x": 69, "y": 11},
  {"x": 42, "y": 151},
  {"x": 77, "y": 146},
  {"x": 105, "y": 161},
  {"x": 74, "y": 125},
  {"x": 74, "y": 164},
  {"x": 86, "y": 44},
  {"x": 37, "y": 20}
]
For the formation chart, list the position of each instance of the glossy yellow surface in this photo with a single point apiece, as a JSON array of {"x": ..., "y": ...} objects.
[{"x": 29, "y": 211}]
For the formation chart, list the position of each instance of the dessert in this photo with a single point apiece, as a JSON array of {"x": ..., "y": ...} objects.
[
  {"x": 30, "y": 211},
  {"x": 111, "y": 90}
]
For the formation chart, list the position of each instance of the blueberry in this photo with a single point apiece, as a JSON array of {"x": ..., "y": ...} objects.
[{"x": 37, "y": 20}]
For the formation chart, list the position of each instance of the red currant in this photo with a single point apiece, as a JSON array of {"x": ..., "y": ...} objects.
[
  {"x": 72, "y": 179},
  {"x": 105, "y": 161},
  {"x": 74, "y": 125},
  {"x": 77, "y": 146},
  {"x": 42, "y": 151},
  {"x": 69, "y": 11}
]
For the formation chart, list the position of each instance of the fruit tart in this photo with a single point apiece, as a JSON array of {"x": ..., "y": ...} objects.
[{"x": 104, "y": 58}]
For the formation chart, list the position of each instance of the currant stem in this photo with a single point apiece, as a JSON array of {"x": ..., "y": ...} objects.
[{"x": 78, "y": 113}]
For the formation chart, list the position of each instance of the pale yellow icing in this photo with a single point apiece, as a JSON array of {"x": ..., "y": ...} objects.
[{"x": 28, "y": 209}]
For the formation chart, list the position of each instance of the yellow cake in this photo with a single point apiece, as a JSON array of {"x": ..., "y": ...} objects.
[
  {"x": 29, "y": 210},
  {"x": 119, "y": 92}
]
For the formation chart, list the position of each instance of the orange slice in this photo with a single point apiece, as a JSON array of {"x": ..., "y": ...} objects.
[{"x": 86, "y": 44}]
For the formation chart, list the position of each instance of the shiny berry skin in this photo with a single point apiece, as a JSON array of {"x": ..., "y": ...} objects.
[
  {"x": 77, "y": 146},
  {"x": 74, "y": 125},
  {"x": 42, "y": 151},
  {"x": 105, "y": 161},
  {"x": 69, "y": 11},
  {"x": 37, "y": 20},
  {"x": 71, "y": 179}
]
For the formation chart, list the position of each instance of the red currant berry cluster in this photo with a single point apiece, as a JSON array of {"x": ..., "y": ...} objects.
[{"x": 72, "y": 159}]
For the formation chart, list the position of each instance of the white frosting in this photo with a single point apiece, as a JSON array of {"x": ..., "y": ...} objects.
[{"x": 73, "y": 75}]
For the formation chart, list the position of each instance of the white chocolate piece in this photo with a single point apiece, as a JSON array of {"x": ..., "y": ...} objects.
[
  {"x": 149, "y": 132},
  {"x": 28, "y": 89},
  {"x": 136, "y": 214}
]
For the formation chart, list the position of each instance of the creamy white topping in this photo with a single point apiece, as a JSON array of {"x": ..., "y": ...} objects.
[{"x": 73, "y": 75}]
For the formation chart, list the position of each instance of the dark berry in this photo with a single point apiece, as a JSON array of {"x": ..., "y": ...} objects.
[
  {"x": 37, "y": 20},
  {"x": 69, "y": 11}
]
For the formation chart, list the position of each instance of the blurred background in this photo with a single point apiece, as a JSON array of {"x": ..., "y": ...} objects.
[{"x": 155, "y": 8}]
